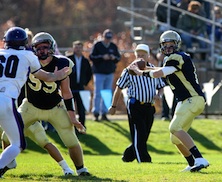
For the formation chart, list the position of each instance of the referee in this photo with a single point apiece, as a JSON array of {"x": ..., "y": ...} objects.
[{"x": 141, "y": 92}]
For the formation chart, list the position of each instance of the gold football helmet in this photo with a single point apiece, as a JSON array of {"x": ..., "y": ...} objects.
[
  {"x": 170, "y": 36},
  {"x": 44, "y": 37}
]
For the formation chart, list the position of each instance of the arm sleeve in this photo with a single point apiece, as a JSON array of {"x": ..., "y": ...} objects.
[{"x": 167, "y": 70}]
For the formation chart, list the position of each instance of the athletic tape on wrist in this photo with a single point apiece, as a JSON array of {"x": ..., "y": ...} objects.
[{"x": 69, "y": 103}]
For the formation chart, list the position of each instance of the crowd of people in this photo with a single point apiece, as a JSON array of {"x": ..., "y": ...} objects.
[
  {"x": 191, "y": 24},
  {"x": 58, "y": 80}
]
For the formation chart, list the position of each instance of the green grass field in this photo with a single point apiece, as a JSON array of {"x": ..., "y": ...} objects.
[{"x": 103, "y": 146}]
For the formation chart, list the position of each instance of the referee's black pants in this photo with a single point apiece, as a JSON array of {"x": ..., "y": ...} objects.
[{"x": 140, "y": 117}]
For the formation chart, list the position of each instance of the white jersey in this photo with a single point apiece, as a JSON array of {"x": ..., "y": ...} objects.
[{"x": 15, "y": 66}]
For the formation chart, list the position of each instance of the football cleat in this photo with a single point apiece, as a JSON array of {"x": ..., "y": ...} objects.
[
  {"x": 11, "y": 165},
  {"x": 187, "y": 169},
  {"x": 83, "y": 172},
  {"x": 68, "y": 172},
  {"x": 199, "y": 164}
]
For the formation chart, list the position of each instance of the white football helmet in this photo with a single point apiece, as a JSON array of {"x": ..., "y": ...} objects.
[{"x": 170, "y": 36}]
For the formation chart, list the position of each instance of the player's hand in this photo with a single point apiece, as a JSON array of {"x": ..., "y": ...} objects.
[
  {"x": 79, "y": 127},
  {"x": 61, "y": 74},
  {"x": 112, "y": 110},
  {"x": 135, "y": 68}
]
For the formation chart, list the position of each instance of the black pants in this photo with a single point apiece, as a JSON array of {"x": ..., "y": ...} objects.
[
  {"x": 140, "y": 118},
  {"x": 80, "y": 107}
]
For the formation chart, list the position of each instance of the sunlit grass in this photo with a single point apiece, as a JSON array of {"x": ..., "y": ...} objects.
[{"x": 103, "y": 146}]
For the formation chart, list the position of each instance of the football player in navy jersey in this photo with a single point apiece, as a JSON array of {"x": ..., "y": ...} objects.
[
  {"x": 52, "y": 102},
  {"x": 181, "y": 76},
  {"x": 15, "y": 65}
]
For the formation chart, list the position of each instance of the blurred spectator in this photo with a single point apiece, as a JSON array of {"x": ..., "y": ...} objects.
[
  {"x": 193, "y": 26},
  {"x": 183, "y": 4},
  {"x": 161, "y": 14},
  {"x": 153, "y": 59},
  {"x": 104, "y": 56},
  {"x": 80, "y": 77},
  {"x": 206, "y": 7},
  {"x": 218, "y": 29},
  {"x": 30, "y": 36}
]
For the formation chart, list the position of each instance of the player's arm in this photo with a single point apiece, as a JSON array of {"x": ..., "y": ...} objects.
[
  {"x": 69, "y": 103},
  {"x": 51, "y": 77},
  {"x": 161, "y": 72}
]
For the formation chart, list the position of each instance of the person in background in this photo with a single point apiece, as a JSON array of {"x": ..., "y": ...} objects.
[
  {"x": 104, "y": 56},
  {"x": 161, "y": 14},
  {"x": 12, "y": 80},
  {"x": 141, "y": 92},
  {"x": 183, "y": 4},
  {"x": 180, "y": 74},
  {"x": 80, "y": 77},
  {"x": 218, "y": 29},
  {"x": 30, "y": 36},
  {"x": 194, "y": 26}
]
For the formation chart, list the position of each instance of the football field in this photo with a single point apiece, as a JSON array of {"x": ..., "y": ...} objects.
[{"x": 103, "y": 146}]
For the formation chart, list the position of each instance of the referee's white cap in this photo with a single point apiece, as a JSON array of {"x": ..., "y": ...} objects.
[{"x": 143, "y": 47}]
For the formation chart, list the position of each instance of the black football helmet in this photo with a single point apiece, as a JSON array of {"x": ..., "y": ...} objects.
[{"x": 15, "y": 38}]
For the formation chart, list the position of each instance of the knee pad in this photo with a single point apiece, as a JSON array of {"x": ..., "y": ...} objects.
[
  {"x": 37, "y": 134},
  {"x": 174, "y": 139}
]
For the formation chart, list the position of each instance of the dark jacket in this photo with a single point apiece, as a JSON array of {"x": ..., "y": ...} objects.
[
  {"x": 99, "y": 64},
  {"x": 85, "y": 74}
]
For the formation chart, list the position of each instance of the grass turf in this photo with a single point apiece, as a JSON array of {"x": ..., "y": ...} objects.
[{"x": 103, "y": 146}]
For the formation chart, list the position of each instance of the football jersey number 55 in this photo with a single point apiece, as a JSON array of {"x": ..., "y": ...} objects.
[{"x": 37, "y": 85}]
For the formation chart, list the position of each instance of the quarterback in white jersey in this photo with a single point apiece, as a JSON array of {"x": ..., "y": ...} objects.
[{"x": 15, "y": 66}]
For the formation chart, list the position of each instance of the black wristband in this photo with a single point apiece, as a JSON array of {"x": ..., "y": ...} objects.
[
  {"x": 69, "y": 103},
  {"x": 146, "y": 73}
]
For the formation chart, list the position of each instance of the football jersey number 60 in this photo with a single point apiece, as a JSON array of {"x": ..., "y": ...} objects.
[{"x": 11, "y": 66}]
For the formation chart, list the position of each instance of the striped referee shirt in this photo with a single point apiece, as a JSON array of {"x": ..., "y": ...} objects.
[{"x": 142, "y": 88}]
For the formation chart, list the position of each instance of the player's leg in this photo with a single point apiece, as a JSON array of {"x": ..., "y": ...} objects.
[
  {"x": 37, "y": 134},
  {"x": 35, "y": 131},
  {"x": 184, "y": 114},
  {"x": 12, "y": 125},
  {"x": 61, "y": 122}
]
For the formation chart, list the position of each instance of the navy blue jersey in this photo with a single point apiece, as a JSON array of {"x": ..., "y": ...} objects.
[
  {"x": 45, "y": 95},
  {"x": 184, "y": 82}
]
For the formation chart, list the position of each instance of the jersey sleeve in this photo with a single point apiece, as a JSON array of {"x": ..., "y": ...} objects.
[
  {"x": 64, "y": 61},
  {"x": 175, "y": 60},
  {"x": 71, "y": 64},
  {"x": 33, "y": 61}
]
